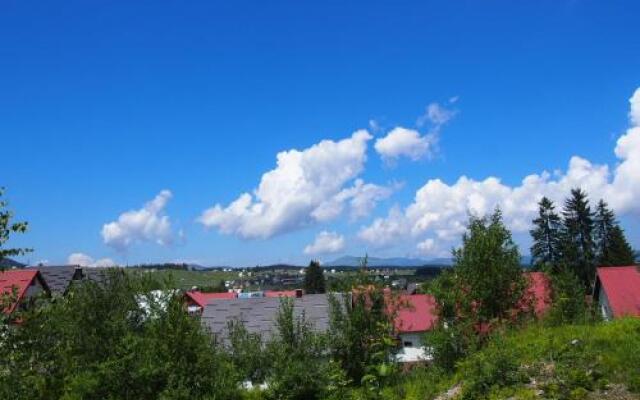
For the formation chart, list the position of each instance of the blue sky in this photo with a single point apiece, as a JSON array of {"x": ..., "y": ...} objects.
[{"x": 103, "y": 105}]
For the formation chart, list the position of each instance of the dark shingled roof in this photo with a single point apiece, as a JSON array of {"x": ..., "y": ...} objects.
[
  {"x": 259, "y": 314},
  {"x": 59, "y": 278}
]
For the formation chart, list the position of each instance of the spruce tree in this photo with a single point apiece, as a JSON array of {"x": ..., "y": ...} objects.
[
  {"x": 611, "y": 244},
  {"x": 578, "y": 247},
  {"x": 620, "y": 252},
  {"x": 545, "y": 250},
  {"x": 604, "y": 222},
  {"x": 314, "y": 278}
]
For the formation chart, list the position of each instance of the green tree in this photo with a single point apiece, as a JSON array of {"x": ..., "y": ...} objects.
[
  {"x": 620, "y": 252},
  {"x": 7, "y": 228},
  {"x": 314, "y": 281},
  {"x": 545, "y": 250},
  {"x": 300, "y": 365},
  {"x": 612, "y": 247},
  {"x": 488, "y": 268},
  {"x": 480, "y": 292},
  {"x": 247, "y": 353},
  {"x": 362, "y": 334},
  {"x": 578, "y": 247},
  {"x": 568, "y": 300}
]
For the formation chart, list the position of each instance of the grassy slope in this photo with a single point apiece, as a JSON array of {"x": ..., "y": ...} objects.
[
  {"x": 600, "y": 361},
  {"x": 187, "y": 279}
]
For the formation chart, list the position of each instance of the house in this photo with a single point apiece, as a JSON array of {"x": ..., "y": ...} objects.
[
  {"x": 258, "y": 314},
  {"x": 196, "y": 301},
  {"x": 617, "y": 291},
  {"x": 418, "y": 315},
  {"x": 19, "y": 287},
  {"x": 415, "y": 317},
  {"x": 59, "y": 278}
]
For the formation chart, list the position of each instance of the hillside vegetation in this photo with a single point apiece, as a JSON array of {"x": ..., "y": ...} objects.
[{"x": 595, "y": 361}]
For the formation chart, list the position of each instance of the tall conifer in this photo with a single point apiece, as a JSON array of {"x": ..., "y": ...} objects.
[
  {"x": 545, "y": 250},
  {"x": 578, "y": 247}
]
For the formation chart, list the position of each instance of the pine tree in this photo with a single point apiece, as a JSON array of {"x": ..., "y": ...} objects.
[
  {"x": 621, "y": 252},
  {"x": 314, "y": 278},
  {"x": 545, "y": 250},
  {"x": 578, "y": 248}
]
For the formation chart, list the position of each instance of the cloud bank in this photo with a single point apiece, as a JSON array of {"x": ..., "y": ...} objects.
[
  {"x": 85, "y": 260},
  {"x": 306, "y": 187},
  {"x": 439, "y": 211},
  {"x": 148, "y": 224}
]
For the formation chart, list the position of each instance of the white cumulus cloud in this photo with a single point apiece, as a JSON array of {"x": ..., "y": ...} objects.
[
  {"x": 410, "y": 143},
  {"x": 439, "y": 211},
  {"x": 325, "y": 243},
  {"x": 150, "y": 223},
  {"x": 404, "y": 142},
  {"x": 85, "y": 260},
  {"x": 306, "y": 187}
]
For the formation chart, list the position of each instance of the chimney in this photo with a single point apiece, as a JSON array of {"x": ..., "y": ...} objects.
[{"x": 298, "y": 293}]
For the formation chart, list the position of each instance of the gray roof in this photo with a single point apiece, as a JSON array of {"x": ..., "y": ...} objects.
[
  {"x": 259, "y": 314},
  {"x": 58, "y": 278}
]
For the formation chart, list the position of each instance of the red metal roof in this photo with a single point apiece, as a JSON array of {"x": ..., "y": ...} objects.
[
  {"x": 18, "y": 279},
  {"x": 417, "y": 314},
  {"x": 622, "y": 286},
  {"x": 201, "y": 298}
]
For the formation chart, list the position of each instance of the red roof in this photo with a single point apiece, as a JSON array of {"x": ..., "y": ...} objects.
[
  {"x": 622, "y": 286},
  {"x": 201, "y": 298},
  {"x": 417, "y": 314},
  {"x": 18, "y": 279},
  {"x": 280, "y": 293},
  {"x": 540, "y": 290}
]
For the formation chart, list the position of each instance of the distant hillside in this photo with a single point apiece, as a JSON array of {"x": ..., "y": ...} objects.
[
  {"x": 6, "y": 263},
  {"x": 352, "y": 261}
]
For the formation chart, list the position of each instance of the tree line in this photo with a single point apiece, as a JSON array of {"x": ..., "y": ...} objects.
[{"x": 578, "y": 239}]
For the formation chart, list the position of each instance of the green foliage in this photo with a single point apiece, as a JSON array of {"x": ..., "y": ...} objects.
[
  {"x": 246, "y": 353},
  {"x": 487, "y": 268},
  {"x": 98, "y": 343},
  {"x": 565, "y": 362},
  {"x": 568, "y": 300},
  {"x": 314, "y": 278},
  {"x": 7, "y": 228},
  {"x": 497, "y": 365},
  {"x": 545, "y": 250},
  {"x": 480, "y": 292},
  {"x": 300, "y": 368},
  {"x": 362, "y": 337}
]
